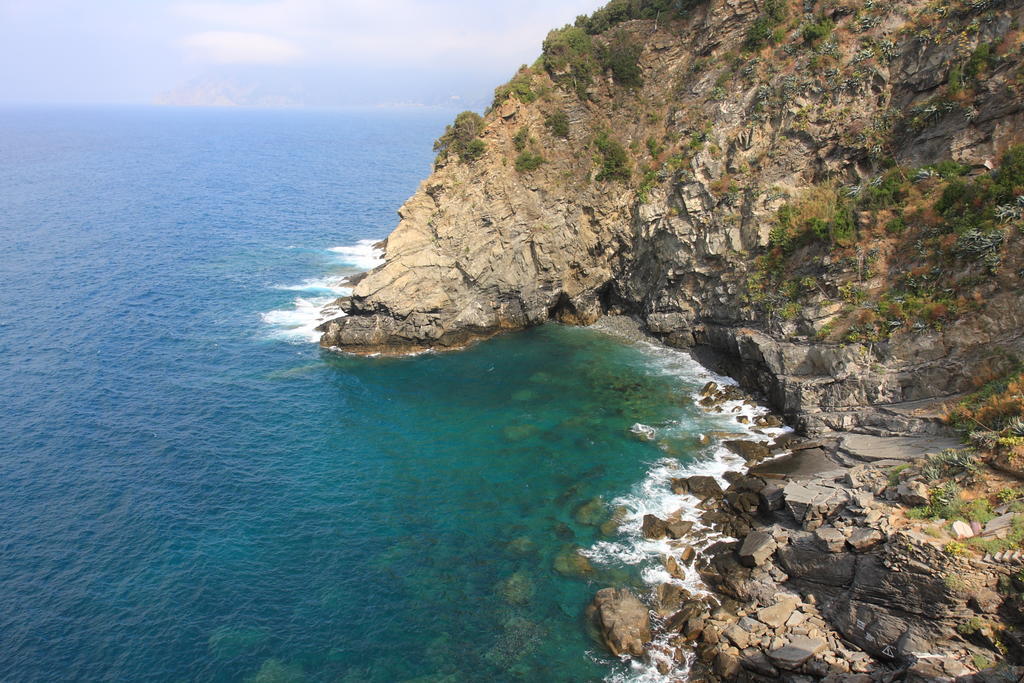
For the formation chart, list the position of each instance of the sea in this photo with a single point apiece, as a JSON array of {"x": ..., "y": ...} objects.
[{"x": 192, "y": 490}]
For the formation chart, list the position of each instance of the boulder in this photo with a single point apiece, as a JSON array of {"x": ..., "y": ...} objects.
[
  {"x": 864, "y": 539},
  {"x": 804, "y": 497},
  {"x": 777, "y": 615},
  {"x": 801, "y": 648},
  {"x": 771, "y": 497},
  {"x": 748, "y": 450},
  {"x": 727, "y": 666},
  {"x": 737, "y": 636},
  {"x": 986, "y": 601},
  {"x": 654, "y": 527},
  {"x": 757, "y": 547},
  {"x": 670, "y": 597},
  {"x": 756, "y": 661},
  {"x": 704, "y": 487},
  {"x": 689, "y": 612},
  {"x": 999, "y": 527},
  {"x": 745, "y": 502},
  {"x": 623, "y": 621},
  {"x": 672, "y": 566},
  {"x": 830, "y": 538},
  {"x": 913, "y": 493},
  {"x": 962, "y": 529}
]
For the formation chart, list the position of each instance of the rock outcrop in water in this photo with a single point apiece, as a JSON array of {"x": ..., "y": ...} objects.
[{"x": 770, "y": 194}]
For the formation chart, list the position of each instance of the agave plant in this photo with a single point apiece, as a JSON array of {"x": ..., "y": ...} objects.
[
  {"x": 1015, "y": 425},
  {"x": 1009, "y": 212},
  {"x": 984, "y": 439}
]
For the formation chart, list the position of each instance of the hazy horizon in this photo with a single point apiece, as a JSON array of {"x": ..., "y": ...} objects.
[{"x": 317, "y": 53}]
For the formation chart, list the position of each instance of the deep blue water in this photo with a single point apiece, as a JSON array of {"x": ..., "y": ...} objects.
[{"x": 191, "y": 491}]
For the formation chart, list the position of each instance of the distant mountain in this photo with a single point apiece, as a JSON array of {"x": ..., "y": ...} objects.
[
  {"x": 299, "y": 87},
  {"x": 212, "y": 92}
]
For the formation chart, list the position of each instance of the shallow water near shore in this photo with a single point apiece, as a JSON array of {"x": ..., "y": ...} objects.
[{"x": 191, "y": 490}]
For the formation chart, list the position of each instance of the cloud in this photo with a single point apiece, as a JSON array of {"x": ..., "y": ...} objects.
[
  {"x": 237, "y": 47},
  {"x": 442, "y": 33}
]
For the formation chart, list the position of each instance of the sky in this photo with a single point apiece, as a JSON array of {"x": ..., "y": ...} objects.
[{"x": 315, "y": 52}]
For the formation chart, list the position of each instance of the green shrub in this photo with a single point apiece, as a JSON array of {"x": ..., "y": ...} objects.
[
  {"x": 994, "y": 405},
  {"x": 955, "y": 548},
  {"x": 822, "y": 28},
  {"x": 614, "y": 162},
  {"x": 528, "y": 161},
  {"x": 760, "y": 32},
  {"x": 970, "y": 204},
  {"x": 981, "y": 60},
  {"x": 615, "y": 12},
  {"x": 955, "y": 80},
  {"x": 462, "y": 138},
  {"x": 896, "y": 226},
  {"x": 843, "y": 229},
  {"x": 1011, "y": 494},
  {"x": 950, "y": 463},
  {"x": 520, "y": 87},
  {"x": 520, "y": 139},
  {"x": 894, "y": 473},
  {"x": 474, "y": 150},
  {"x": 885, "y": 192},
  {"x": 568, "y": 55},
  {"x": 650, "y": 179},
  {"x": 654, "y": 147},
  {"x": 622, "y": 57},
  {"x": 618, "y": 11},
  {"x": 1013, "y": 541},
  {"x": 558, "y": 123},
  {"x": 950, "y": 169},
  {"x": 972, "y": 625},
  {"x": 981, "y": 662}
]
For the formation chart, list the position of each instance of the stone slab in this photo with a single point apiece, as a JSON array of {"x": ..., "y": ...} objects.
[{"x": 901, "y": 448}]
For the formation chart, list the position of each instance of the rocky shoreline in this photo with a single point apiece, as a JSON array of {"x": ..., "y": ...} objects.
[{"x": 809, "y": 569}]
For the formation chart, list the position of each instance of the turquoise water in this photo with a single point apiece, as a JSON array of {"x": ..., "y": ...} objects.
[{"x": 191, "y": 490}]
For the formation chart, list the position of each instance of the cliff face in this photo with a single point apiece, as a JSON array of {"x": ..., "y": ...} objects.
[{"x": 734, "y": 142}]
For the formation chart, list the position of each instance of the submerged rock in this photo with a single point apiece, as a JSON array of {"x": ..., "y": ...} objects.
[
  {"x": 611, "y": 526},
  {"x": 569, "y": 562},
  {"x": 277, "y": 671},
  {"x": 590, "y": 513},
  {"x": 517, "y": 589},
  {"x": 522, "y": 545}
]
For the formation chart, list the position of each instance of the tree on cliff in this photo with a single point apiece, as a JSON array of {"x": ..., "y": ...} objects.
[{"x": 462, "y": 137}]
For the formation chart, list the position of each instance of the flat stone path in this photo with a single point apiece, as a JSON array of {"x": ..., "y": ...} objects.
[{"x": 872, "y": 448}]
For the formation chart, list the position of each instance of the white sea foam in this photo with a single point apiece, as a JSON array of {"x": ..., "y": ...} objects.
[
  {"x": 363, "y": 255},
  {"x": 335, "y": 286},
  {"x": 654, "y": 496},
  {"x": 298, "y": 321}
]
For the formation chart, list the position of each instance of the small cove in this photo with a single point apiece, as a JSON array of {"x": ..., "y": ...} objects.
[{"x": 192, "y": 490}]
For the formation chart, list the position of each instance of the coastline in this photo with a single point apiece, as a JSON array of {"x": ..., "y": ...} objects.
[{"x": 763, "y": 567}]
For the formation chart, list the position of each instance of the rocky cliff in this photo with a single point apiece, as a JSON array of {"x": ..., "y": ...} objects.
[{"x": 823, "y": 198}]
